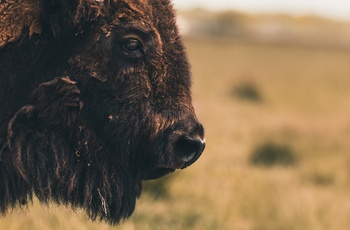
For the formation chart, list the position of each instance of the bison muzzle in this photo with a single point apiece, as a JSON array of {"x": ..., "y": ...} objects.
[{"x": 95, "y": 97}]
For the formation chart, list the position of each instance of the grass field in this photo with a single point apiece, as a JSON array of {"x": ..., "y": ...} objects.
[{"x": 304, "y": 96}]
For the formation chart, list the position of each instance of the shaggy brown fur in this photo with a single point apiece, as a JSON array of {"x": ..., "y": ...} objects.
[{"x": 95, "y": 97}]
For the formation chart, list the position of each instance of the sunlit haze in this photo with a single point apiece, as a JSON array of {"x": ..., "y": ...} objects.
[{"x": 337, "y": 9}]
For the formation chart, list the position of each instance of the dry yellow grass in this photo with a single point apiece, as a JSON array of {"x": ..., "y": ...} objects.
[{"x": 305, "y": 105}]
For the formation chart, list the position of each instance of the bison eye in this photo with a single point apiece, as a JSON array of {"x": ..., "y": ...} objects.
[{"x": 132, "y": 47}]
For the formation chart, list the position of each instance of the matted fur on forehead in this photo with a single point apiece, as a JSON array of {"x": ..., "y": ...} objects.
[
  {"x": 130, "y": 11},
  {"x": 156, "y": 14}
]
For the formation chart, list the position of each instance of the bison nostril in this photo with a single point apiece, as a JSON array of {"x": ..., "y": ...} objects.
[{"x": 189, "y": 149}]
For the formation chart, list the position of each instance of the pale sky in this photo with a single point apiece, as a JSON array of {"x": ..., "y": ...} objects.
[{"x": 337, "y": 9}]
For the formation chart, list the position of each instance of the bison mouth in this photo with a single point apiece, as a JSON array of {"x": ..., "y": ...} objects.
[
  {"x": 157, "y": 173},
  {"x": 182, "y": 151},
  {"x": 161, "y": 171}
]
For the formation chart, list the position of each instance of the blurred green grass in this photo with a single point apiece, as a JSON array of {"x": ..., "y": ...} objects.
[{"x": 305, "y": 106}]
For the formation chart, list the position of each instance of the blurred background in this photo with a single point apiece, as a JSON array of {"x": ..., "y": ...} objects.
[{"x": 272, "y": 88}]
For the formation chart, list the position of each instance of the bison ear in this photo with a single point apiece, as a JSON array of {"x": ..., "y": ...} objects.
[
  {"x": 70, "y": 18},
  {"x": 59, "y": 30},
  {"x": 61, "y": 17}
]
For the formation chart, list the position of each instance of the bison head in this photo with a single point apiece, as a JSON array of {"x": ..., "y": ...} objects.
[
  {"x": 125, "y": 67},
  {"x": 135, "y": 80}
]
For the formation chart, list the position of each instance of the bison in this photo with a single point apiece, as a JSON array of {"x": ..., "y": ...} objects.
[{"x": 95, "y": 97}]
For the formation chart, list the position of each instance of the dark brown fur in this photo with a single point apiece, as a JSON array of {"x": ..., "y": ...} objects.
[{"x": 86, "y": 113}]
